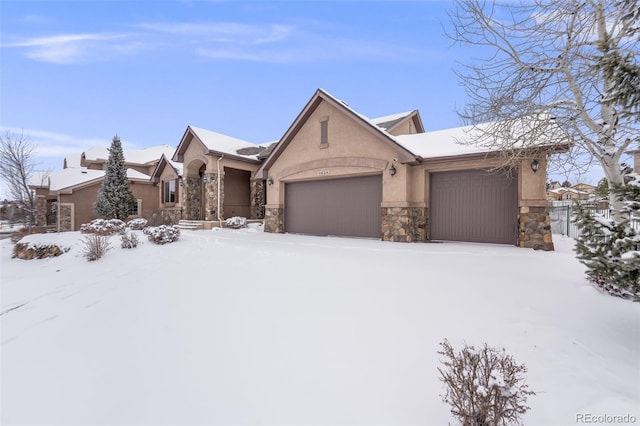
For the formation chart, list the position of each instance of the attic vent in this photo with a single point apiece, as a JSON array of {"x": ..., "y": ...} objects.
[{"x": 344, "y": 102}]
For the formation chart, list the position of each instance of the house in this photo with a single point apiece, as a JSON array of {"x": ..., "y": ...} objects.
[
  {"x": 65, "y": 198},
  {"x": 585, "y": 187},
  {"x": 335, "y": 172},
  {"x": 567, "y": 194}
]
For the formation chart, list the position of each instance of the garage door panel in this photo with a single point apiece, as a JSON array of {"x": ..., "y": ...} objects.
[
  {"x": 473, "y": 205},
  {"x": 344, "y": 207}
]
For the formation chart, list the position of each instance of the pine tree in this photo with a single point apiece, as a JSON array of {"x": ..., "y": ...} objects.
[
  {"x": 115, "y": 200},
  {"x": 611, "y": 248}
]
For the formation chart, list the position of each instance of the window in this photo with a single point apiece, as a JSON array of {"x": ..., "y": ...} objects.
[
  {"x": 324, "y": 132},
  {"x": 170, "y": 191},
  {"x": 135, "y": 211}
]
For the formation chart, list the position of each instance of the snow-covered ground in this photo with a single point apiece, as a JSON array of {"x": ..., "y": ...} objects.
[{"x": 245, "y": 327}]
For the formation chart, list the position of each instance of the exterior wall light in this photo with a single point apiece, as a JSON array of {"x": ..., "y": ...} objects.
[
  {"x": 535, "y": 164},
  {"x": 392, "y": 170},
  {"x": 270, "y": 181},
  {"x": 206, "y": 178}
]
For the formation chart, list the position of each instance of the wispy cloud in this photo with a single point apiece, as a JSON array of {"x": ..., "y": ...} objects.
[
  {"x": 307, "y": 41},
  {"x": 69, "y": 48},
  {"x": 224, "y": 31},
  {"x": 57, "y": 145}
]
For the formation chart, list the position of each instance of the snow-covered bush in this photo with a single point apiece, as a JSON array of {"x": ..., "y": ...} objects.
[
  {"x": 610, "y": 248},
  {"x": 484, "y": 386},
  {"x": 162, "y": 234},
  {"x": 95, "y": 246},
  {"x": 103, "y": 227},
  {"x": 137, "y": 224},
  {"x": 30, "y": 251},
  {"x": 128, "y": 241},
  {"x": 236, "y": 222}
]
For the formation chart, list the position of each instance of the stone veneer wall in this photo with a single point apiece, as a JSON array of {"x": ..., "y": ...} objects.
[
  {"x": 258, "y": 198},
  {"x": 172, "y": 216},
  {"x": 403, "y": 224},
  {"x": 211, "y": 197},
  {"x": 274, "y": 220},
  {"x": 192, "y": 197},
  {"x": 64, "y": 218},
  {"x": 535, "y": 228}
]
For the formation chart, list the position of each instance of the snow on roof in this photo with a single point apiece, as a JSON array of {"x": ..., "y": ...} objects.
[
  {"x": 73, "y": 176},
  {"x": 147, "y": 155},
  {"x": 563, "y": 190},
  {"x": 457, "y": 141},
  {"x": 222, "y": 143},
  {"x": 134, "y": 156},
  {"x": 440, "y": 143},
  {"x": 392, "y": 117}
]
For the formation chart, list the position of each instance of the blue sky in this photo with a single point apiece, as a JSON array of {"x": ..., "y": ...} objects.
[{"x": 75, "y": 73}]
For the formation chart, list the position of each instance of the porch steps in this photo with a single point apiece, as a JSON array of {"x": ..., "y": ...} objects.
[{"x": 191, "y": 224}]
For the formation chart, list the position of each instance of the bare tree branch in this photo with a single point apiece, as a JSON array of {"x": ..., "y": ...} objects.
[
  {"x": 17, "y": 169},
  {"x": 546, "y": 58}
]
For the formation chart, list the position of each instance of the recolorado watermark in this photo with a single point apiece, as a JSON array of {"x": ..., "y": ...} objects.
[{"x": 589, "y": 418}]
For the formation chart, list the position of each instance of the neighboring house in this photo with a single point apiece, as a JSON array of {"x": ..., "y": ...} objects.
[
  {"x": 66, "y": 197},
  {"x": 585, "y": 187},
  {"x": 335, "y": 172},
  {"x": 567, "y": 194}
]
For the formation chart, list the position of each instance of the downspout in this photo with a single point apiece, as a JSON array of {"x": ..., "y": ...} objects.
[{"x": 218, "y": 208}]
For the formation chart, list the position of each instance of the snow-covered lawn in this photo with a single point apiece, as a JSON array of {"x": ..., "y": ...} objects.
[{"x": 245, "y": 327}]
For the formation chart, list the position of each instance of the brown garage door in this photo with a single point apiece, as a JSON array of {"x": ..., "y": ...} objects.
[
  {"x": 344, "y": 207},
  {"x": 474, "y": 205}
]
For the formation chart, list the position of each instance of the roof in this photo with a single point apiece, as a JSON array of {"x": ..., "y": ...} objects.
[
  {"x": 74, "y": 176},
  {"x": 218, "y": 143},
  {"x": 388, "y": 122},
  {"x": 479, "y": 139},
  {"x": 321, "y": 95},
  {"x": 131, "y": 156},
  {"x": 164, "y": 161},
  {"x": 563, "y": 189}
]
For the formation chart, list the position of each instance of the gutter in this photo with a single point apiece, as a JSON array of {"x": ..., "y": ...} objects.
[{"x": 218, "y": 188}]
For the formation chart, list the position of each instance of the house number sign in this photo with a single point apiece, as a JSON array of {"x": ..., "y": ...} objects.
[{"x": 323, "y": 172}]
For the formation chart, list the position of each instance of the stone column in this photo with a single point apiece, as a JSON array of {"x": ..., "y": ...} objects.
[
  {"x": 211, "y": 196},
  {"x": 535, "y": 228},
  {"x": 65, "y": 214},
  {"x": 192, "y": 197},
  {"x": 403, "y": 224},
  {"x": 40, "y": 215},
  {"x": 258, "y": 198},
  {"x": 274, "y": 220}
]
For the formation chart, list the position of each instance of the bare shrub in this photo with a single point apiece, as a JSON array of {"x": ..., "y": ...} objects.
[
  {"x": 28, "y": 251},
  {"x": 484, "y": 386},
  {"x": 129, "y": 240},
  {"x": 103, "y": 227},
  {"x": 137, "y": 224},
  {"x": 162, "y": 234},
  {"x": 95, "y": 246}
]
